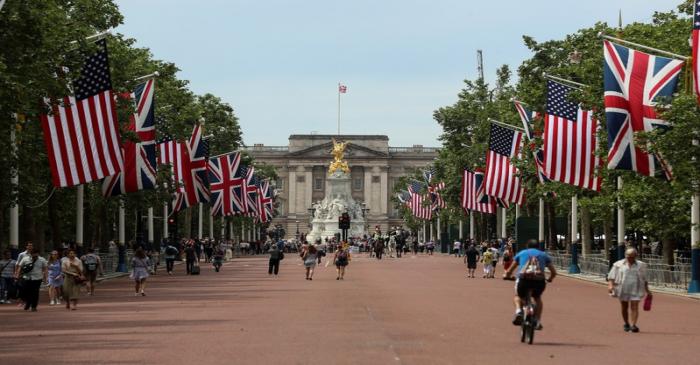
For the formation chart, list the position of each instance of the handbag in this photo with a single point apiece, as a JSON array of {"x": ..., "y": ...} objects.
[
  {"x": 79, "y": 279},
  {"x": 647, "y": 302}
]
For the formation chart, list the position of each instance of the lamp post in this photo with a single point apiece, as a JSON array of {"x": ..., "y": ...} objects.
[{"x": 297, "y": 230}]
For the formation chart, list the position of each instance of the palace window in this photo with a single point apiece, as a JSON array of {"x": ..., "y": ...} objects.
[
  {"x": 357, "y": 183},
  {"x": 318, "y": 184}
]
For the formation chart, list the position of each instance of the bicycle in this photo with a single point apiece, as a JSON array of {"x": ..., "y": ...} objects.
[{"x": 529, "y": 325}]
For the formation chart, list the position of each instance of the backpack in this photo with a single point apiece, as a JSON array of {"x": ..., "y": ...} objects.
[
  {"x": 532, "y": 269},
  {"x": 170, "y": 250},
  {"x": 90, "y": 262},
  {"x": 343, "y": 255}
]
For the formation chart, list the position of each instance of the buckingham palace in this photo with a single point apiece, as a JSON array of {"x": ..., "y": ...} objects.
[{"x": 302, "y": 168}]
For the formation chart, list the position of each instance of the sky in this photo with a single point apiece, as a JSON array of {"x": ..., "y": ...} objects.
[{"x": 278, "y": 63}]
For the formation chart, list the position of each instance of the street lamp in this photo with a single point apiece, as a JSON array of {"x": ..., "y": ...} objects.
[{"x": 297, "y": 230}]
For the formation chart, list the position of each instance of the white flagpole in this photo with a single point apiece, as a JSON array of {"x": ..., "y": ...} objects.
[
  {"x": 79, "y": 215},
  {"x": 165, "y": 220},
  {"x": 122, "y": 218},
  {"x": 211, "y": 224},
  {"x": 574, "y": 219},
  {"x": 461, "y": 230},
  {"x": 503, "y": 223},
  {"x": 14, "y": 182},
  {"x": 150, "y": 225},
  {"x": 472, "y": 224},
  {"x": 223, "y": 228},
  {"x": 620, "y": 223}
]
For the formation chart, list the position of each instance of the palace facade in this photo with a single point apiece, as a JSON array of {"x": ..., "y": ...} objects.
[{"x": 302, "y": 167}]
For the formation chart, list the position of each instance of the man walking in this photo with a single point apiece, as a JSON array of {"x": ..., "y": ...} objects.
[
  {"x": 27, "y": 253},
  {"x": 93, "y": 267},
  {"x": 33, "y": 270},
  {"x": 190, "y": 256},
  {"x": 275, "y": 257},
  {"x": 170, "y": 254}
]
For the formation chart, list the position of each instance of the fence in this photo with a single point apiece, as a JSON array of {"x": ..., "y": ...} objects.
[{"x": 658, "y": 273}]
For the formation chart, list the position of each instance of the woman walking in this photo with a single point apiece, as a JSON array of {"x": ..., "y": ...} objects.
[
  {"x": 310, "y": 256},
  {"x": 139, "y": 271},
  {"x": 72, "y": 269},
  {"x": 55, "y": 278},
  {"x": 341, "y": 260},
  {"x": 627, "y": 280}
]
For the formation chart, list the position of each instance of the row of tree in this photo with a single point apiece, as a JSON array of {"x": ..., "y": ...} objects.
[
  {"x": 655, "y": 208},
  {"x": 43, "y": 45}
]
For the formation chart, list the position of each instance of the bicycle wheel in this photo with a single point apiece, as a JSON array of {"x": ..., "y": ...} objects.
[
  {"x": 531, "y": 333},
  {"x": 523, "y": 331}
]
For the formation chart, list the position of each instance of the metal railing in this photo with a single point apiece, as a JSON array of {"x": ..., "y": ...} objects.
[
  {"x": 266, "y": 148},
  {"x": 414, "y": 149},
  {"x": 658, "y": 273}
]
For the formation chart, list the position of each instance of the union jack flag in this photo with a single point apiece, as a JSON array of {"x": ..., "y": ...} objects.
[
  {"x": 265, "y": 203},
  {"x": 633, "y": 81},
  {"x": 224, "y": 180},
  {"x": 139, "y": 171},
  {"x": 474, "y": 196},
  {"x": 248, "y": 190},
  {"x": 189, "y": 168},
  {"x": 528, "y": 118}
]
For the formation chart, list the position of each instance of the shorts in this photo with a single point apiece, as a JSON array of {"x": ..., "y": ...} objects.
[
  {"x": 471, "y": 265},
  {"x": 91, "y": 276},
  {"x": 523, "y": 286}
]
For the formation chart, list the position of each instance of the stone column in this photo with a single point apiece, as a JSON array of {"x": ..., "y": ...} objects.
[{"x": 292, "y": 187}]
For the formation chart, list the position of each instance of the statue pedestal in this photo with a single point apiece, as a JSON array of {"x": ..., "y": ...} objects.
[{"x": 337, "y": 201}]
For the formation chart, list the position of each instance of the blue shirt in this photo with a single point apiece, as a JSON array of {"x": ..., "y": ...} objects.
[{"x": 524, "y": 256}]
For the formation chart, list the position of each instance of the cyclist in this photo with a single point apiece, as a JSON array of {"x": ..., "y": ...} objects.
[{"x": 530, "y": 278}]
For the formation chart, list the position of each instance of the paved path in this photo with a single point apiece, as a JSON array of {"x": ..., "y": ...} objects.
[{"x": 414, "y": 310}]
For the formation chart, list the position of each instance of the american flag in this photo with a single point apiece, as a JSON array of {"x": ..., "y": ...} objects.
[
  {"x": 633, "y": 80},
  {"x": 527, "y": 118},
  {"x": 473, "y": 193},
  {"x": 342, "y": 89},
  {"x": 81, "y": 135},
  {"x": 570, "y": 140},
  {"x": 696, "y": 47},
  {"x": 419, "y": 209},
  {"x": 501, "y": 176},
  {"x": 224, "y": 179},
  {"x": 139, "y": 157},
  {"x": 189, "y": 168},
  {"x": 265, "y": 203}
]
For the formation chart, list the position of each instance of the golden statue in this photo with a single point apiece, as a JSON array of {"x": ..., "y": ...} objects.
[{"x": 338, "y": 163}]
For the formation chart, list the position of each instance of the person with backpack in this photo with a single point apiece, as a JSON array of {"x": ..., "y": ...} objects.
[
  {"x": 170, "y": 254},
  {"x": 341, "y": 260},
  {"x": 33, "y": 271},
  {"x": 93, "y": 267},
  {"x": 530, "y": 279},
  {"x": 276, "y": 255}
]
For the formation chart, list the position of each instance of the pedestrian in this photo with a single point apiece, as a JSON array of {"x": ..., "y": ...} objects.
[
  {"x": 55, "y": 278},
  {"x": 154, "y": 256},
  {"x": 379, "y": 248},
  {"x": 341, "y": 259},
  {"x": 471, "y": 256},
  {"x": 139, "y": 271},
  {"x": 276, "y": 255},
  {"x": 8, "y": 287},
  {"x": 628, "y": 282},
  {"x": 507, "y": 256},
  {"x": 487, "y": 261},
  {"x": 170, "y": 254},
  {"x": 33, "y": 271},
  {"x": 455, "y": 248},
  {"x": 93, "y": 267},
  {"x": 73, "y": 278},
  {"x": 190, "y": 256},
  {"x": 494, "y": 260},
  {"x": 26, "y": 253},
  {"x": 430, "y": 247},
  {"x": 310, "y": 256}
]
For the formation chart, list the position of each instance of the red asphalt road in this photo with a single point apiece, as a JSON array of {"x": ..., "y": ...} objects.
[{"x": 414, "y": 310}]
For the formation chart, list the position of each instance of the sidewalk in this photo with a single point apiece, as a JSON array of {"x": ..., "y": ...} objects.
[{"x": 597, "y": 279}]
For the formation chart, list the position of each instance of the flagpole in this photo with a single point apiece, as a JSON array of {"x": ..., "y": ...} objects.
[
  {"x": 540, "y": 234},
  {"x": 150, "y": 226},
  {"x": 620, "y": 222},
  {"x": 121, "y": 236},
  {"x": 338, "y": 108},
  {"x": 573, "y": 265},
  {"x": 503, "y": 222},
  {"x": 165, "y": 220},
  {"x": 211, "y": 224},
  {"x": 505, "y": 125},
  {"x": 472, "y": 223},
  {"x": 573, "y": 84},
  {"x": 461, "y": 230},
  {"x": 200, "y": 217},
  {"x": 652, "y": 49},
  {"x": 14, "y": 182}
]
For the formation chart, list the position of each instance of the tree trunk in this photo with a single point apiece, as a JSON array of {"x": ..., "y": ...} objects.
[
  {"x": 40, "y": 235},
  {"x": 551, "y": 226},
  {"x": 586, "y": 240},
  {"x": 55, "y": 222},
  {"x": 27, "y": 224},
  {"x": 608, "y": 232},
  {"x": 669, "y": 245}
]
